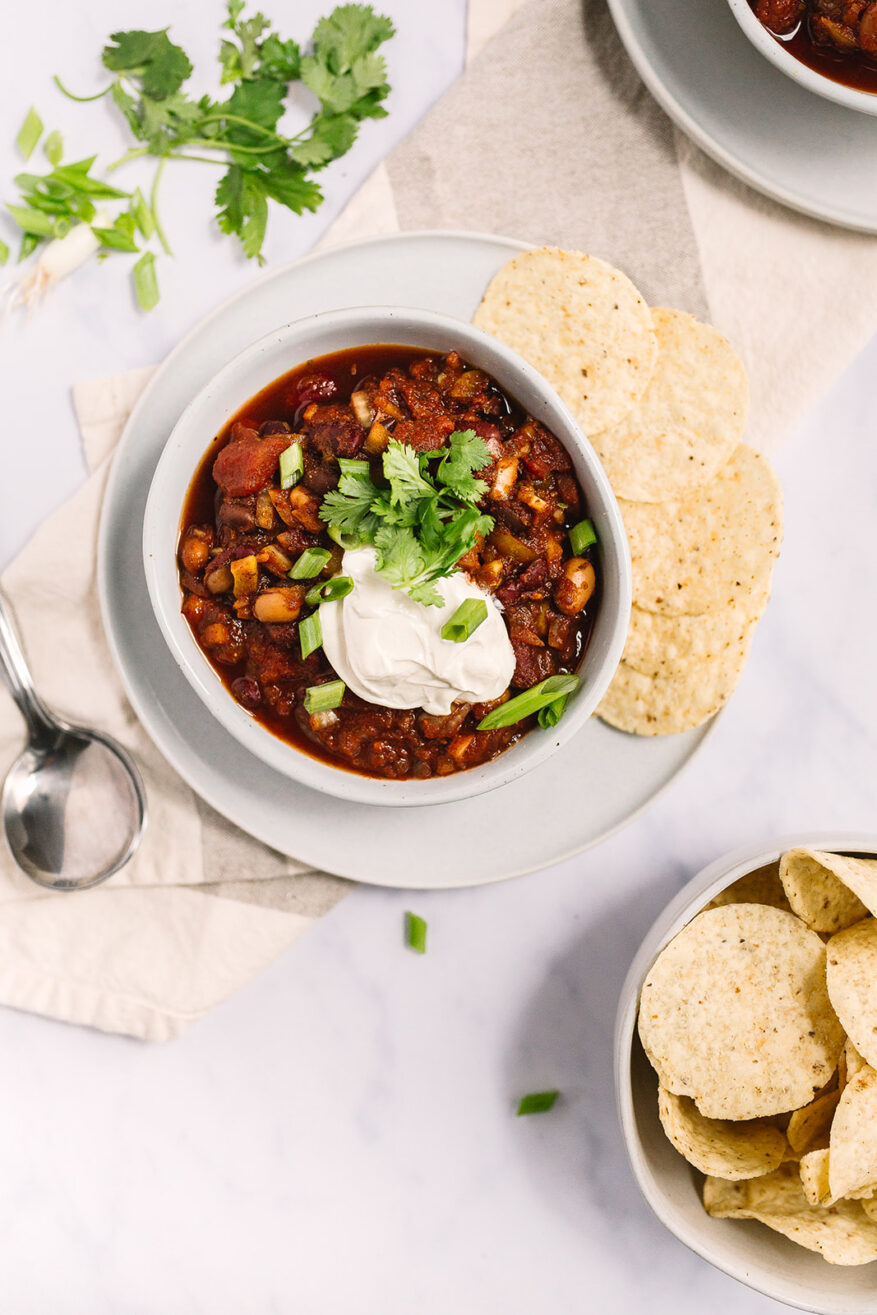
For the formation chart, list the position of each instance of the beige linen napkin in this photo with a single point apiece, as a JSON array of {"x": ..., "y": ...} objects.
[{"x": 549, "y": 136}]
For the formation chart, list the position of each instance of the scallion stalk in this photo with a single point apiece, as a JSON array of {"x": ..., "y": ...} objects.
[
  {"x": 322, "y": 698},
  {"x": 291, "y": 466},
  {"x": 310, "y": 634},
  {"x": 329, "y": 591},
  {"x": 581, "y": 537},
  {"x": 415, "y": 932},
  {"x": 524, "y": 705},
  {"x": 468, "y": 617},
  {"x": 310, "y": 564},
  {"x": 537, "y": 1102}
]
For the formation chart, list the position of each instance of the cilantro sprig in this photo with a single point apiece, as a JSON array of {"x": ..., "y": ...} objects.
[
  {"x": 241, "y": 133},
  {"x": 421, "y": 521}
]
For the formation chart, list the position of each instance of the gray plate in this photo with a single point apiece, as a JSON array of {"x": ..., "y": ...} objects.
[
  {"x": 782, "y": 139},
  {"x": 578, "y": 797}
]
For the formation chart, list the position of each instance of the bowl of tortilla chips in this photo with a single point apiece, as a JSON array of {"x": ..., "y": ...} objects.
[{"x": 746, "y": 1069}]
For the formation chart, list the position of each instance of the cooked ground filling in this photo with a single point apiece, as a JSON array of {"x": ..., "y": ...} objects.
[{"x": 242, "y": 533}]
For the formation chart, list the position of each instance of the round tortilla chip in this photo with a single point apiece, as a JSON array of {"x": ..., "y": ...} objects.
[
  {"x": 712, "y": 550},
  {"x": 660, "y": 645},
  {"x": 667, "y": 705},
  {"x": 821, "y": 887},
  {"x": 808, "y": 1128},
  {"x": 734, "y": 1013},
  {"x": 851, "y": 973},
  {"x": 718, "y": 1146},
  {"x": 853, "y": 1143},
  {"x": 843, "y": 1233},
  {"x": 759, "y": 887},
  {"x": 581, "y": 323},
  {"x": 853, "y": 1062},
  {"x": 870, "y": 1208},
  {"x": 688, "y": 421}
]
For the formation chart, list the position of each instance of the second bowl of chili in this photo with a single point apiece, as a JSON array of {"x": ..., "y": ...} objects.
[{"x": 247, "y": 533}]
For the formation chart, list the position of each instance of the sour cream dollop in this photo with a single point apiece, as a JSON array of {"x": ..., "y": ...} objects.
[{"x": 389, "y": 649}]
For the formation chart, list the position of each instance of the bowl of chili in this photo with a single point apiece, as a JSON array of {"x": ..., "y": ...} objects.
[
  {"x": 242, "y": 554},
  {"x": 827, "y": 46}
]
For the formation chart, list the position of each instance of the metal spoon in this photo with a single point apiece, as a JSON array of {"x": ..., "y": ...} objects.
[{"x": 73, "y": 803}]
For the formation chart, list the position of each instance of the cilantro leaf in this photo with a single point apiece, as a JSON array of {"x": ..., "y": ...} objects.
[
  {"x": 349, "y": 32},
  {"x": 466, "y": 453},
  {"x": 402, "y": 470},
  {"x": 280, "y": 59},
  {"x": 331, "y": 136},
  {"x": 239, "y": 61},
  {"x": 243, "y": 207},
  {"x": 289, "y": 185},
  {"x": 161, "y": 67}
]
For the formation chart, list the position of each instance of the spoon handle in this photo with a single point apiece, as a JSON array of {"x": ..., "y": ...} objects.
[{"x": 17, "y": 678}]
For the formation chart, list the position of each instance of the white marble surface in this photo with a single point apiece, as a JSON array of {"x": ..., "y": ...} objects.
[{"x": 339, "y": 1138}]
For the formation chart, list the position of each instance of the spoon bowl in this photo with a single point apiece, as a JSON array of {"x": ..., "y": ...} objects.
[{"x": 73, "y": 802}]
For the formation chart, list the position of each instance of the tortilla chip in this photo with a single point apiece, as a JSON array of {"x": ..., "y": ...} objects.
[
  {"x": 667, "y": 705},
  {"x": 714, "y": 548},
  {"x": 842, "y": 1233},
  {"x": 853, "y": 1062},
  {"x": 581, "y": 323},
  {"x": 718, "y": 1146},
  {"x": 818, "y": 891},
  {"x": 734, "y": 1013},
  {"x": 852, "y": 985},
  {"x": 688, "y": 421},
  {"x": 762, "y": 886},
  {"x": 813, "y": 1169},
  {"x": 681, "y": 645},
  {"x": 808, "y": 1128},
  {"x": 853, "y": 1141},
  {"x": 870, "y": 1208}
]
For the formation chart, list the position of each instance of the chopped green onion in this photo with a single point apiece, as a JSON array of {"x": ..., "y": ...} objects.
[
  {"x": 551, "y": 714},
  {"x": 322, "y": 698},
  {"x": 329, "y": 591},
  {"x": 143, "y": 216},
  {"x": 524, "y": 705},
  {"x": 465, "y": 621},
  {"x": 353, "y": 466},
  {"x": 581, "y": 537},
  {"x": 310, "y": 564},
  {"x": 54, "y": 147},
  {"x": 310, "y": 634},
  {"x": 34, "y": 222},
  {"x": 4, "y": 252},
  {"x": 343, "y": 540},
  {"x": 415, "y": 932},
  {"x": 537, "y": 1102},
  {"x": 291, "y": 466},
  {"x": 145, "y": 282},
  {"x": 29, "y": 243},
  {"x": 29, "y": 133}
]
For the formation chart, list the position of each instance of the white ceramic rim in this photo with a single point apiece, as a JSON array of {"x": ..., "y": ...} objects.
[
  {"x": 285, "y": 758},
  {"x": 850, "y": 97},
  {"x": 681, "y": 909},
  {"x": 735, "y": 166}
]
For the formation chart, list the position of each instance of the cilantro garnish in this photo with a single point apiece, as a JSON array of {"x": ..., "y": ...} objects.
[
  {"x": 240, "y": 133},
  {"x": 421, "y": 522}
]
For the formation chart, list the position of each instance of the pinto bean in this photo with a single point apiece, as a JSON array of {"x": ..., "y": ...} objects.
[
  {"x": 305, "y": 508},
  {"x": 195, "y": 548},
  {"x": 276, "y": 605},
  {"x": 575, "y": 586},
  {"x": 219, "y": 579}
]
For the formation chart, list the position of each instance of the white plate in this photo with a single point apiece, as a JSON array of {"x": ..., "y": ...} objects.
[
  {"x": 578, "y": 797},
  {"x": 785, "y": 141}
]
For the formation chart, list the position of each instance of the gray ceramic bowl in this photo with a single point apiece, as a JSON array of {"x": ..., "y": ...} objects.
[{"x": 745, "y": 1249}]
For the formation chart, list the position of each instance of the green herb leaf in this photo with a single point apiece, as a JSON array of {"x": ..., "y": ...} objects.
[
  {"x": 160, "y": 66},
  {"x": 466, "y": 452},
  {"x": 29, "y": 133},
  {"x": 145, "y": 281},
  {"x": 280, "y": 59},
  {"x": 415, "y": 932},
  {"x": 537, "y": 1102}
]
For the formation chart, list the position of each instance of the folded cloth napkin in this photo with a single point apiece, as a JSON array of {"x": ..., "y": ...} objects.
[{"x": 549, "y": 136}]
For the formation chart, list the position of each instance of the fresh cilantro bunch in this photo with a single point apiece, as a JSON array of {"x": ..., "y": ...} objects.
[
  {"x": 422, "y": 521},
  {"x": 239, "y": 133}
]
